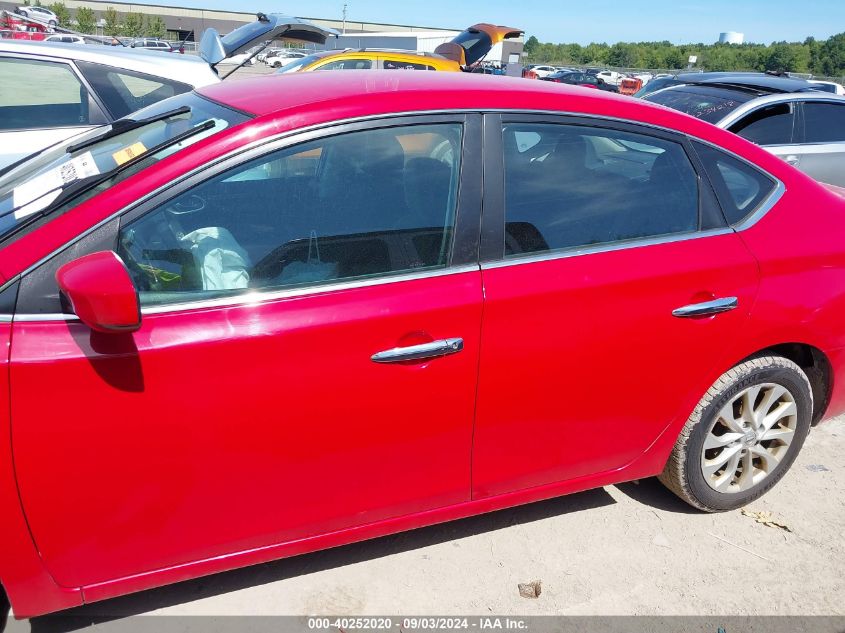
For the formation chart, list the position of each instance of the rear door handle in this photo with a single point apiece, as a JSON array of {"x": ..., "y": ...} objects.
[
  {"x": 443, "y": 347},
  {"x": 706, "y": 308}
]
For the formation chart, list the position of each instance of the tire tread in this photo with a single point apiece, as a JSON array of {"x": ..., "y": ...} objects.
[{"x": 674, "y": 473}]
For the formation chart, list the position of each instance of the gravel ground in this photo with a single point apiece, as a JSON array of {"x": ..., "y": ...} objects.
[{"x": 632, "y": 549}]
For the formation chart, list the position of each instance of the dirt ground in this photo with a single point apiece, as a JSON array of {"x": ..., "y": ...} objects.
[{"x": 632, "y": 549}]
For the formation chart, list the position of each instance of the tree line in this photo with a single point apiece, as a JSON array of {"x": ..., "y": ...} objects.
[
  {"x": 825, "y": 57},
  {"x": 132, "y": 25}
]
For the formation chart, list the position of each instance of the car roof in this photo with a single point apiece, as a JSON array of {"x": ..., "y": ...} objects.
[
  {"x": 184, "y": 68},
  {"x": 340, "y": 94},
  {"x": 369, "y": 52},
  {"x": 758, "y": 82}
]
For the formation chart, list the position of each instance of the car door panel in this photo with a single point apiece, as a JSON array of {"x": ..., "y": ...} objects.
[
  {"x": 562, "y": 329},
  {"x": 220, "y": 430},
  {"x": 557, "y": 396},
  {"x": 822, "y": 152}
]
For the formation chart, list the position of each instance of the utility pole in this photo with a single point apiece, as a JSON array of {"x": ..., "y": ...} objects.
[{"x": 343, "y": 31}]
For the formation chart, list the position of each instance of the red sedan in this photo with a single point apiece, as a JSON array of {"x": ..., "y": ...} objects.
[{"x": 284, "y": 314}]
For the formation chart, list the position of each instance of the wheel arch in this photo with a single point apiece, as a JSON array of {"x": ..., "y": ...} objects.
[{"x": 813, "y": 362}]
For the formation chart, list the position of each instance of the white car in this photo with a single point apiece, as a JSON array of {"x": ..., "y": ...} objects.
[
  {"x": 543, "y": 71},
  {"x": 66, "y": 89},
  {"x": 65, "y": 39},
  {"x": 610, "y": 77},
  {"x": 282, "y": 57},
  {"x": 41, "y": 14}
]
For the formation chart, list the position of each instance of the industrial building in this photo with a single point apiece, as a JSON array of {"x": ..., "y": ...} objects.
[{"x": 186, "y": 24}]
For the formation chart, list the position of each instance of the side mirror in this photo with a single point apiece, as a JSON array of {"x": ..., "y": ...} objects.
[{"x": 101, "y": 292}]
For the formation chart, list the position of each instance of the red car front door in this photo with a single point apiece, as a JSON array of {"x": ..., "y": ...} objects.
[
  {"x": 276, "y": 389},
  {"x": 607, "y": 233}
]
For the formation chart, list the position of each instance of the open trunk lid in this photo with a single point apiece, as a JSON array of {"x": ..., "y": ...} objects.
[
  {"x": 214, "y": 49},
  {"x": 472, "y": 44}
]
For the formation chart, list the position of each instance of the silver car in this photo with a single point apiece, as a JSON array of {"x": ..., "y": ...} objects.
[
  {"x": 790, "y": 118},
  {"x": 52, "y": 91},
  {"x": 58, "y": 90}
]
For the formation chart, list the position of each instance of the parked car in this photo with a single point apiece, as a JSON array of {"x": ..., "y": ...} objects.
[
  {"x": 216, "y": 263},
  {"x": 789, "y": 117},
  {"x": 538, "y": 71},
  {"x": 281, "y": 57},
  {"x": 65, "y": 38},
  {"x": 610, "y": 77},
  {"x": 575, "y": 79},
  {"x": 463, "y": 52},
  {"x": 83, "y": 86},
  {"x": 153, "y": 44},
  {"x": 42, "y": 14},
  {"x": 367, "y": 59}
]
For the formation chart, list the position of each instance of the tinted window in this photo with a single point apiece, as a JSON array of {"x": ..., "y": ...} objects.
[
  {"x": 356, "y": 205},
  {"x": 771, "y": 125},
  {"x": 25, "y": 104},
  {"x": 347, "y": 64},
  {"x": 124, "y": 91},
  {"x": 824, "y": 122},
  {"x": 390, "y": 64},
  {"x": 739, "y": 186},
  {"x": 704, "y": 102},
  {"x": 577, "y": 186}
]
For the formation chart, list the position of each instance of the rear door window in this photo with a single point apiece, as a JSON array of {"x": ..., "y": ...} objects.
[
  {"x": 392, "y": 64},
  {"x": 26, "y": 104},
  {"x": 123, "y": 91},
  {"x": 347, "y": 64},
  {"x": 824, "y": 122},
  {"x": 769, "y": 125},
  {"x": 580, "y": 186}
]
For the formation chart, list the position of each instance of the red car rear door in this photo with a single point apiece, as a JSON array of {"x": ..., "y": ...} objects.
[
  {"x": 586, "y": 358},
  {"x": 306, "y": 363}
]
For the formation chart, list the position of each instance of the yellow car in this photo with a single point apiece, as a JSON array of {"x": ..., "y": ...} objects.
[{"x": 467, "y": 48}]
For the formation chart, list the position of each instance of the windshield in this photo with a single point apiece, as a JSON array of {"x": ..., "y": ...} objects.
[
  {"x": 656, "y": 84},
  {"x": 33, "y": 187},
  {"x": 704, "y": 102},
  {"x": 296, "y": 64}
]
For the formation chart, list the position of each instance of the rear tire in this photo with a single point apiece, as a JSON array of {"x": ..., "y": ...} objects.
[{"x": 742, "y": 436}]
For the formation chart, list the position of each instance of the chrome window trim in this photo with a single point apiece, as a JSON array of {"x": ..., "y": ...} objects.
[
  {"x": 578, "y": 251},
  {"x": 260, "y": 297},
  {"x": 46, "y": 317}
]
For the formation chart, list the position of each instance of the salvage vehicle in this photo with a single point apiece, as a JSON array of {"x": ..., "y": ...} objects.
[
  {"x": 268, "y": 317},
  {"x": 85, "y": 86},
  {"x": 466, "y": 50},
  {"x": 794, "y": 119}
]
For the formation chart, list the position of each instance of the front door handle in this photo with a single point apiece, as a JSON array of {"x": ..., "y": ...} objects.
[
  {"x": 793, "y": 160},
  {"x": 706, "y": 308},
  {"x": 443, "y": 347}
]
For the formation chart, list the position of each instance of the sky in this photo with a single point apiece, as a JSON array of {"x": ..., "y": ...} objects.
[{"x": 582, "y": 21}]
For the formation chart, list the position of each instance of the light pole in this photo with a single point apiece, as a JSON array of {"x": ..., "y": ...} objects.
[{"x": 343, "y": 30}]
